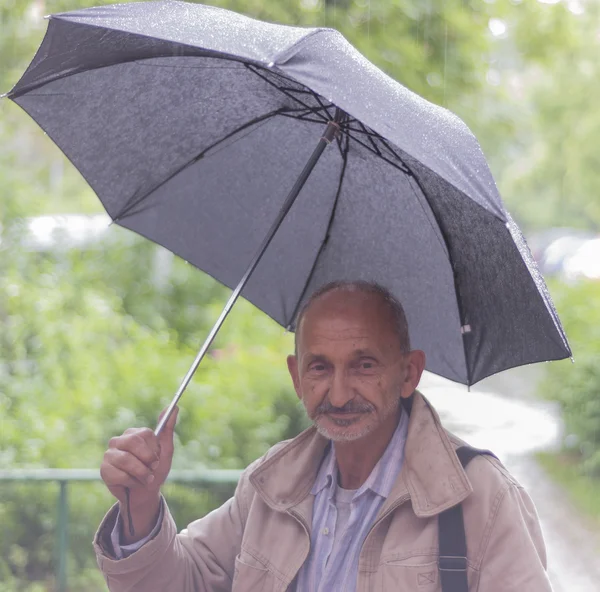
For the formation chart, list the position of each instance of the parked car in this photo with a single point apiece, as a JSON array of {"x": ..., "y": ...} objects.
[
  {"x": 584, "y": 263},
  {"x": 555, "y": 247}
]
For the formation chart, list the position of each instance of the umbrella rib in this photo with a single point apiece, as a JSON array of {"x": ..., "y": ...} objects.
[
  {"x": 345, "y": 139},
  {"x": 302, "y": 118},
  {"x": 323, "y": 106},
  {"x": 142, "y": 63},
  {"x": 420, "y": 202},
  {"x": 344, "y": 153},
  {"x": 301, "y": 91},
  {"x": 402, "y": 167},
  {"x": 339, "y": 139},
  {"x": 461, "y": 313},
  {"x": 287, "y": 93},
  {"x": 358, "y": 131},
  {"x": 303, "y": 113},
  {"x": 133, "y": 202},
  {"x": 370, "y": 135},
  {"x": 386, "y": 144},
  {"x": 364, "y": 129}
]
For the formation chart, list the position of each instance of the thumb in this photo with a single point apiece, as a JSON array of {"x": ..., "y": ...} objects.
[{"x": 165, "y": 438}]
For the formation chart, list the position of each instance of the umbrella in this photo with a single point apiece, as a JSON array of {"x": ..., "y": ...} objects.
[{"x": 192, "y": 123}]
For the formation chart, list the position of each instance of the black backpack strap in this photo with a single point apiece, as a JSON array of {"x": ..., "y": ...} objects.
[{"x": 452, "y": 560}]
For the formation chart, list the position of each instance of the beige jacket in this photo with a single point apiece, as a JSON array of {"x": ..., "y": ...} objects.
[{"x": 257, "y": 541}]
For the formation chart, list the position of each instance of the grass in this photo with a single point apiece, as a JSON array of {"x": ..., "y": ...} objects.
[{"x": 583, "y": 490}]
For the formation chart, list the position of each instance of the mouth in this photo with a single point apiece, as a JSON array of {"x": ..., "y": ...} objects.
[{"x": 343, "y": 419}]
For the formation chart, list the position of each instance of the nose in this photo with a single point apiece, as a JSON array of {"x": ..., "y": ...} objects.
[{"x": 340, "y": 392}]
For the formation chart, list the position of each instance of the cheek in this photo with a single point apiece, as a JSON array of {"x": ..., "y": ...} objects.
[
  {"x": 376, "y": 389},
  {"x": 313, "y": 391},
  {"x": 373, "y": 382}
]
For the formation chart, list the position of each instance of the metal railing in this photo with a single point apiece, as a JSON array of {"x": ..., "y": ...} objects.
[{"x": 209, "y": 479}]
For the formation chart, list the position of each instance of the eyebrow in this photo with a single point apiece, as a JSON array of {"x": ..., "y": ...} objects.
[
  {"x": 364, "y": 353},
  {"x": 307, "y": 358},
  {"x": 357, "y": 353}
]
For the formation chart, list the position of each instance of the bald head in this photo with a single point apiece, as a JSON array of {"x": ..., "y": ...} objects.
[{"x": 357, "y": 297}]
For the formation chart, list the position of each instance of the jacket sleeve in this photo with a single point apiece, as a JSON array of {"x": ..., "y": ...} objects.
[
  {"x": 200, "y": 559},
  {"x": 514, "y": 558}
]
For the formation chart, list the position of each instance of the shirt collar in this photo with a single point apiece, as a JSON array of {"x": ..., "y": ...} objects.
[{"x": 383, "y": 475}]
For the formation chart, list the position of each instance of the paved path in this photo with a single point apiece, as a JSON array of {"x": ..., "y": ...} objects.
[{"x": 498, "y": 414}]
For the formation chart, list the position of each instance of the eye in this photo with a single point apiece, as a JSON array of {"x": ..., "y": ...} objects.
[
  {"x": 366, "y": 364},
  {"x": 317, "y": 367}
]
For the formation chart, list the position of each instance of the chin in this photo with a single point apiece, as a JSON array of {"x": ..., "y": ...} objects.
[{"x": 345, "y": 434}]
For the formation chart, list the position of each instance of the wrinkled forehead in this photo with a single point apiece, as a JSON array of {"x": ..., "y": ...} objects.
[{"x": 341, "y": 316}]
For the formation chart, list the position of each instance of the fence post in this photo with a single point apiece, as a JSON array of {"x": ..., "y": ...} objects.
[{"x": 63, "y": 534}]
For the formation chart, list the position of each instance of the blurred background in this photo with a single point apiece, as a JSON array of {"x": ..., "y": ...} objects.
[{"x": 98, "y": 326}]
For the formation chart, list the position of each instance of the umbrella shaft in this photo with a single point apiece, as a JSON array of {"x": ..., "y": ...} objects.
[{"x": 326, "y": 139}]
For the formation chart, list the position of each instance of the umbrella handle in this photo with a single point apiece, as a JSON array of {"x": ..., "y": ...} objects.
[
  {"x": 129, "y": 517},
  {"x": 330, "y": 133}
]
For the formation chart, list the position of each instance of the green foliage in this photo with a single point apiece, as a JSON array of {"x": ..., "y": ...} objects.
[
  {"x": 577, "y": 386},
  {"x": 583, "y": 490},
  {"x": 551, "y": 171},
  {"x": 28, "y": 555},
  {"x": 77, "y": 368}
]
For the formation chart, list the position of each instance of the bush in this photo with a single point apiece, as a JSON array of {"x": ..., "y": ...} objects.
[
  {"x": 81, "y": 360},
  {"x": 577, "y": 386}
]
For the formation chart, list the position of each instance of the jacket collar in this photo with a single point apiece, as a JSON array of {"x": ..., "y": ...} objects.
[{"x": 432, "y": 476}]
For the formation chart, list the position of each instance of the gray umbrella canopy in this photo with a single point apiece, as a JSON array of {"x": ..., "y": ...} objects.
[{"x": 191, "y": 123}]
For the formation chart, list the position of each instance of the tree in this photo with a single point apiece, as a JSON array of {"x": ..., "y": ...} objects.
[
  {"x": 538, "y": 121},
  {"x": 556, "y": 180}
]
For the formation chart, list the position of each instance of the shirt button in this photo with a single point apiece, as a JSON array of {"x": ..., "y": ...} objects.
[{"x": 325, "y": 531}]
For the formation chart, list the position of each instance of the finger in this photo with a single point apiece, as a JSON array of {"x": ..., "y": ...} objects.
[
  {"x": 116, "y": 477},
  {"x": 143, "y": 445},
  {"x": 172, "y": 421},
  {"x": 166, "y": 436},
  {"x": 129, "y": 464},
  {"x": 151, "y": 440},
  {"x": 145, "y": 433},
  {"x": 131, "y": 431},
  {"x": 172, "y": 418}
]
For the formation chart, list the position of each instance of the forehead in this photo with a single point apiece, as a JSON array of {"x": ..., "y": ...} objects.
[{"x": 344, "y": 317}]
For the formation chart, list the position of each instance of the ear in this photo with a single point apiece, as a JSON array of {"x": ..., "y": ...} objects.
[
  {"x": 415, "y": 364},
  {"x": 292, "y": 364}
]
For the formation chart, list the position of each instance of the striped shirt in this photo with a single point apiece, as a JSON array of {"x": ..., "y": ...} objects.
[{"x": 332, "y": 564}]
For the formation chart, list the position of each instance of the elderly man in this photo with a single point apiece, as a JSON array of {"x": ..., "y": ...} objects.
[{"x": 351, "y": 504}]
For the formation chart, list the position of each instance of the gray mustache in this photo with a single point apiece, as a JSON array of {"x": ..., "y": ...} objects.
[{"x": 349, "y": 407}]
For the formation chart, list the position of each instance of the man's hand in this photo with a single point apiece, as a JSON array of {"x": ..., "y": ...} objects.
[{"x": 140, "y": 461}]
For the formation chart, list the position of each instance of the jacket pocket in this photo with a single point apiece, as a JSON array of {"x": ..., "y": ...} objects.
[
  {"x": 250, "y": 575},
  {"x": 417, "y": 574}
]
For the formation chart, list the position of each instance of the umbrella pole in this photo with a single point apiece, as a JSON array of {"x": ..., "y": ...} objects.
[{"x": 329, "y": 135}]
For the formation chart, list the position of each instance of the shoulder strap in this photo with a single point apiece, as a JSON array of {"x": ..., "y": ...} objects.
[{"x": 452, "y": 561}]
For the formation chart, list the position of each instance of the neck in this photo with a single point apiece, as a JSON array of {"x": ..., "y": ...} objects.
[{"x": 357, "y": 459}]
